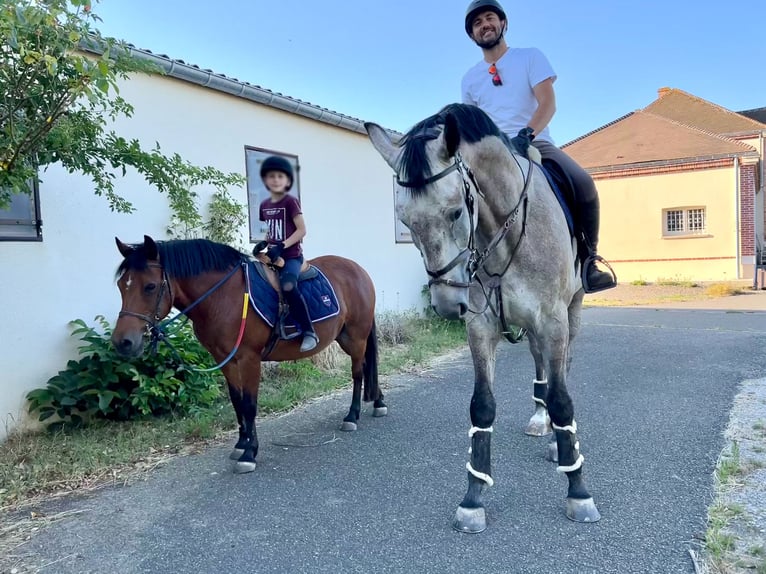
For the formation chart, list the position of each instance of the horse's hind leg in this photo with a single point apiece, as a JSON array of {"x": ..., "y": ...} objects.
[
  {"x": 540, "y": 423},
  {"x": 580, "y": 505},
  {"x": 349, "y": 421},
  {"x": 470, "y": 515}
]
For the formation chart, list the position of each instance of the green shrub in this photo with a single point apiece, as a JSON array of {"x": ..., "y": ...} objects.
[{"x": 104, "y": 384}]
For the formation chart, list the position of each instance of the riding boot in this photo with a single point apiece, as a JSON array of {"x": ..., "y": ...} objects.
[
  {"x": 594, "y": 279},
  {"x": 300, "y": 311}
]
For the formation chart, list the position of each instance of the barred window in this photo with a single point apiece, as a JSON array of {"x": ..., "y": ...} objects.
[
  {"x": 20, "y": 221},
  {"x": 684, "y": 221}
]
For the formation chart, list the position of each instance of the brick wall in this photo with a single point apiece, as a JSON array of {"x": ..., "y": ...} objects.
[{"x": 747, "y": 182}]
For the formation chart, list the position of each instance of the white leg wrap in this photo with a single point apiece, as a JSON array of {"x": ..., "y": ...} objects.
[
  {"x": 577, "y": 464},
  {"x": 543, "y": 382},
  {"x": 569, "y": 428},
  {"x": 480, "y": 475},
  {"x": 540, "y": 402},
  {"x": 474, "y": 430}
]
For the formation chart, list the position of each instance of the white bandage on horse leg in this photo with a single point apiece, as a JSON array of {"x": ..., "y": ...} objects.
[
  {"x": 569, "y": 428},
  {"x": 538, "y": 400},
  {"x": 480, "y": 475},
  {"x": 474, "y": 430},
  {"x": 577, "y": 464}
]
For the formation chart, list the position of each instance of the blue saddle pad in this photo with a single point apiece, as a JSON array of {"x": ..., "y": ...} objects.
[
  {"x": 557, "y": 179},
  {"x": 320, "y": 297}
]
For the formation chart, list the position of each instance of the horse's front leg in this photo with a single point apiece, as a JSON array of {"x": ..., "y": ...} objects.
[
  {"x": 580, "y": 504},
  {"x": 540, "y": 423},
  {"x": 244, "y": 378},
  {"x": 470, "y": 515}
]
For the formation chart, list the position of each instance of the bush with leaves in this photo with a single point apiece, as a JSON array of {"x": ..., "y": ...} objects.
[{"x": 104, "y": 384}]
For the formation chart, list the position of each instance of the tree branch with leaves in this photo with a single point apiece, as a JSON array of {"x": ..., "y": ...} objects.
[{"x": 57, "y": 102}]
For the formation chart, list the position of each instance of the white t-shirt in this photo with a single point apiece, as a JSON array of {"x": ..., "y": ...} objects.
[{"x": 512, "y": 104}]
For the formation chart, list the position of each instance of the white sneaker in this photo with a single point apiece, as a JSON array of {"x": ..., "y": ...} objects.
[{"x": 309, "y": 343}]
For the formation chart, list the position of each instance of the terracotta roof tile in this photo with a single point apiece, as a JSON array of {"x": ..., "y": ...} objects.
[
  {"x": 642, "y": 137},
  {"x": 687, "y": 109}
]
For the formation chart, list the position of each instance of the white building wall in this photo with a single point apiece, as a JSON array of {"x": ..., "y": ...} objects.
[{"x": 346, "y": 193}]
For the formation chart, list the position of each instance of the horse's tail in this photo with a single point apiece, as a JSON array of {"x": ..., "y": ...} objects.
[{"x": 370, "y": 367}]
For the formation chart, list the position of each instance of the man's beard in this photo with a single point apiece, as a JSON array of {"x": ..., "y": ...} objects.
[{"x": 489, "y": 44}]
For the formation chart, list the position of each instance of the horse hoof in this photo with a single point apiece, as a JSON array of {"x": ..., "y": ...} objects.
[
  {"x": 380, "y": 411},
  {"x": 236, "y": 453},
  {"x": 539, "y": 426},
  {"x": 552, "y": 452},
  {"x": 243, "y": 467},
  {"x": 348, "y": 426},
  {"x": 470, "y": 520},
  {"x": 582, "y": 510}
]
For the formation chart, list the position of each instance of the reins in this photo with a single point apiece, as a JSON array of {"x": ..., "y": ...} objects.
[{"x": 157, "y": 330}]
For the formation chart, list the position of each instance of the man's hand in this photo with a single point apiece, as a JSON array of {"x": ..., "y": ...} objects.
[
  {"x": 274, "y": 252},
  {"x": 523, "y": 140}
]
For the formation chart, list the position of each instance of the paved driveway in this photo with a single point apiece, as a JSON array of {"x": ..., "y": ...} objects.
[{"x": 652, "y": 390}]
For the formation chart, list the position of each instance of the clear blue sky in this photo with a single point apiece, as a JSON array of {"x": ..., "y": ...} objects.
[{"x": 396, "y": 62}]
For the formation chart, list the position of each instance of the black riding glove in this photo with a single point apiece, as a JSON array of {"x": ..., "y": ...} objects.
[
  {"x": 260, "y": 246},
  {"x": 274, "y": 252},
  {"x": 522, "y": 141}
]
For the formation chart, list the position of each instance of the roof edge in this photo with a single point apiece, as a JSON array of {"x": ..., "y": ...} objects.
[
  {"x": 649, "y": 165},
  {"x": 206, "y": 78}
]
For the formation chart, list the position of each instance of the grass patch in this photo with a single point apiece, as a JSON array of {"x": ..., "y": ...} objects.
[
  {"x": 722, "y": 290},
  {"x": 676, "y": 282},
  {"x": 66, "y": 459},
  {"x": 639, "y": 282}
]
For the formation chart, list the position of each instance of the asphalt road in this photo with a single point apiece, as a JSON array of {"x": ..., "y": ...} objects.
[{"x": 652, "y": 392}]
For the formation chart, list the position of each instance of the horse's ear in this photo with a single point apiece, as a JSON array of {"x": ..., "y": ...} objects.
[
  {"x": 125, "y": 250},
  {"x": 150, "y": 249},
  {"x": 382, "y": 142},
  {"x": 451, "y": 134}
]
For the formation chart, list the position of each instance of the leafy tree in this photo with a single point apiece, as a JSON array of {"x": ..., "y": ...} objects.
[{"x": 57, "y": 101}]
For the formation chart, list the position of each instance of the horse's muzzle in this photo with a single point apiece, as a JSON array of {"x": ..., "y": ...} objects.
[
  {"x": 128, "y": 345},
  {"x": 449, "y": 302}
]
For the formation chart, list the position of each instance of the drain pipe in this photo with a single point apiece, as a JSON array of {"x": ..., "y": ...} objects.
[{"x": 739, "y": 216}]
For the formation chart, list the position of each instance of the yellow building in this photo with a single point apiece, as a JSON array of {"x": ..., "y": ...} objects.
[{"x": 681, "y": 184}]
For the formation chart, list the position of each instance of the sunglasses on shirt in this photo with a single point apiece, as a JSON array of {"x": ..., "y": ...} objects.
[{"x": 496, "y": 80}]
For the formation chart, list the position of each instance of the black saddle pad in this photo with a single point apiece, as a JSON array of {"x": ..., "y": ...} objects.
[{"x": 563, "y": 189}]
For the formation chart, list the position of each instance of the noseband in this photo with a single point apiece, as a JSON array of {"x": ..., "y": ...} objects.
[{"x": 474, "y": 260}]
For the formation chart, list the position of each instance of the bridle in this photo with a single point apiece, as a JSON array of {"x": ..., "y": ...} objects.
[
  {"x": 474, "y": 259},
  {"x": 156, "y": 327},
  {"x": 152, "y": 321}
]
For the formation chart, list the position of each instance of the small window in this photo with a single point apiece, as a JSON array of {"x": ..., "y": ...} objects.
[
  {"x": 20, "y": 221},
  {"x": 257, "y": 192},
  {"x": 684, "y": 221}
]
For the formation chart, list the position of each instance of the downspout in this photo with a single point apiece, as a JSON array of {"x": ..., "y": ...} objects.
[{"x": 738, "y": 234}]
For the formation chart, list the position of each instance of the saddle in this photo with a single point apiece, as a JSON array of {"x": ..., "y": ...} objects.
[{"x": 267, "y": 299}]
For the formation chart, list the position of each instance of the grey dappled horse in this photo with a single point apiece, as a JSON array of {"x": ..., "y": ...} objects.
[{"x": 497, "y": 247}]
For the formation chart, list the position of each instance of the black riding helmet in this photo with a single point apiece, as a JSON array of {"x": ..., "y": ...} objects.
[
  {"x": 277, "y": 163},
  {"x": 477, "y": 6}
]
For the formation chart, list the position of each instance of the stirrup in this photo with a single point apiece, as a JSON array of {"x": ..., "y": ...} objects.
[
  {"x": 310, "y": 341},
  {"x": 592, "y": 259}
]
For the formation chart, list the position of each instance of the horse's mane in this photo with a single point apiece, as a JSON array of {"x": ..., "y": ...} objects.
[
  {"x": 473, "y": 125},
  {"x": 183, "y": 258}
]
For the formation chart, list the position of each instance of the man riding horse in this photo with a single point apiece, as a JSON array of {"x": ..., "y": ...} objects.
[{"x": 514, "y": 86}]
